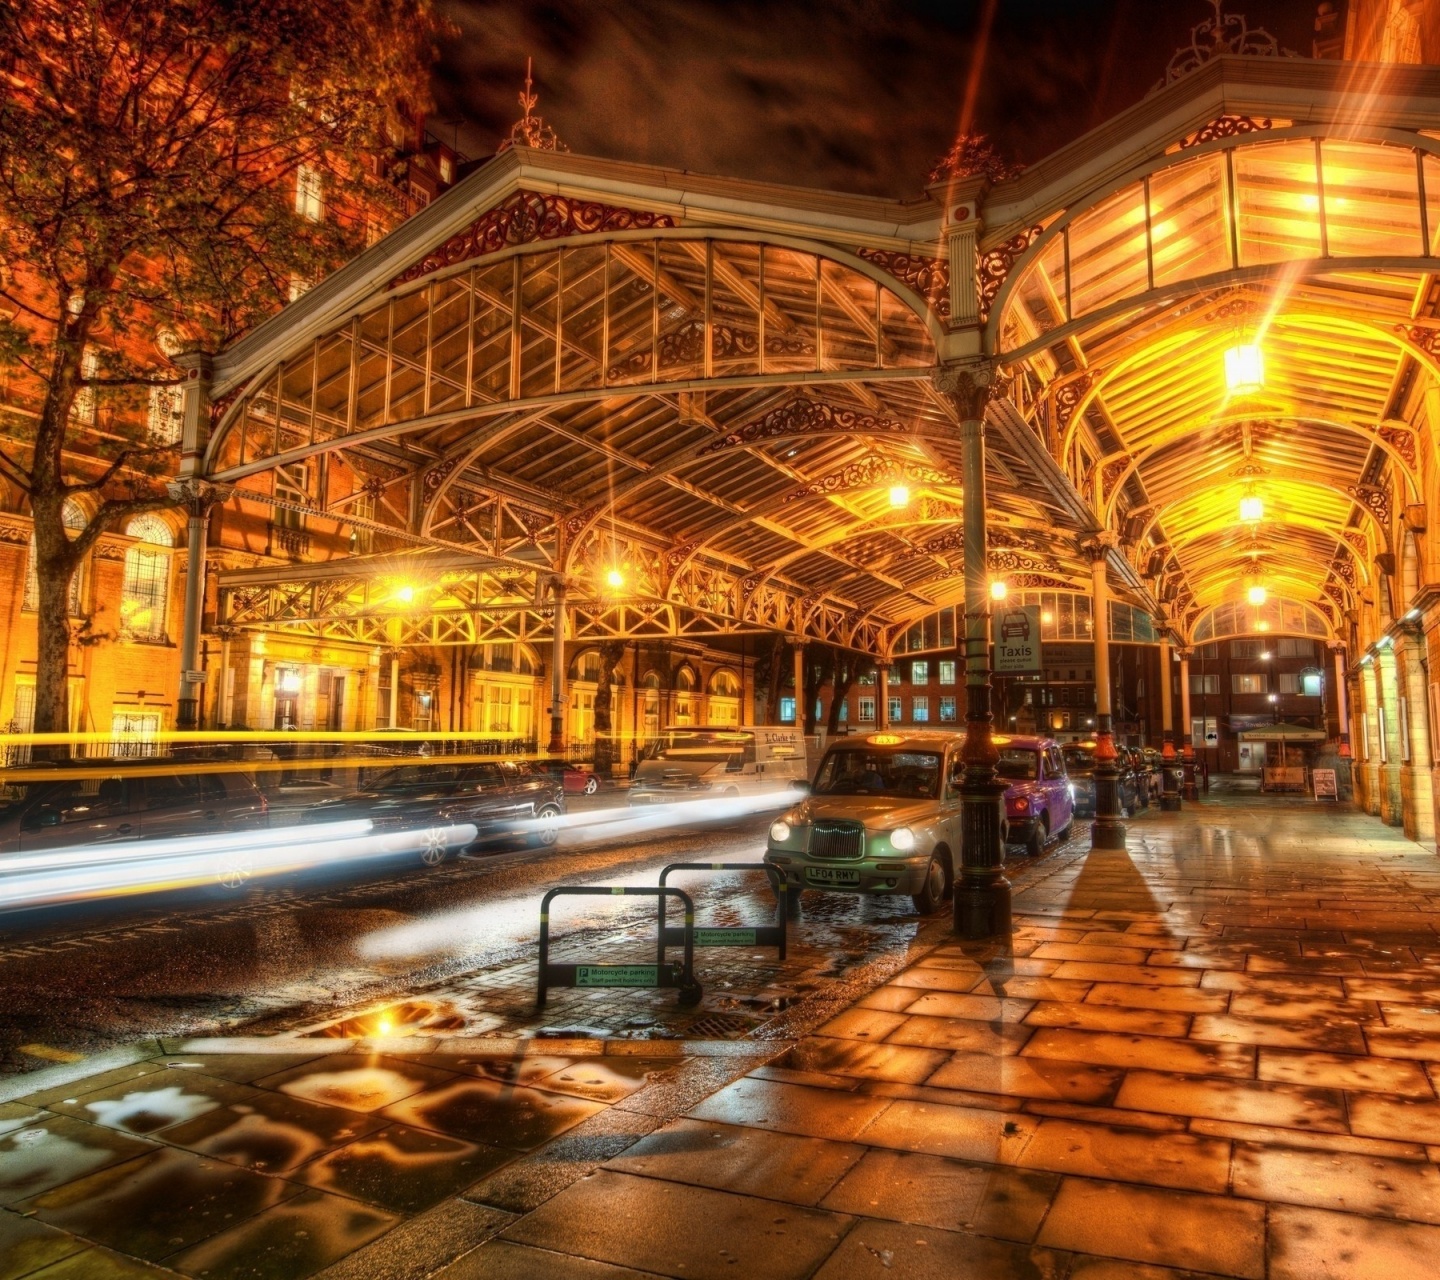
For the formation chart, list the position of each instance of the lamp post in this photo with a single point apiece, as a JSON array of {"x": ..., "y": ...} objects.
[
  {"x": 982, "y": 893},
  {"x": 1107, "y": 831},
  {"x": 1169, "y": 790}
]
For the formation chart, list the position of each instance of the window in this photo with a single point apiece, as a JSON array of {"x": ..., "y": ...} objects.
[
  {"x": 73, "y": 516},
  {"x": 867, "y": 678},
  {"x": 362, "y": 540},
  {"x": 145, "y": 595},
  {"x": 83, "y": 408},
  {"x": 292, "y": 487},
  {"x": 1251, "y": 682},
  {"x": 919, "y": 673},
  {"x": 165, "y": 419},
  {"x": 920, "y": 710},
  {"x": 947, "y": 710},
  {"x": 787, "y": 710},
  {"x": 867, "y": 710},
  {"x": 1290, "y": 647},
  {"x": 894, "y": 710},
  {"x": 1288, "y": 682},
  {"x": 447, "y": 170},
  {"x": 1311, "y": 684},
  {"x": 309, "y": 203},
  {"x": 1209, "y": 683},
  {"x": 1246, "y": 648},
  {"x": 947, "y": 672},
  {"x": 1204, "y": 732}
]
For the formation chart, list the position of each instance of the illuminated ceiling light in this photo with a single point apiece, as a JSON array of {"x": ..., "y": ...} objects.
[
  {"x": 899, "y": 495},
  {"x": 1046, "y": 617},
  {"x": 405, "y": 595},
  {"x": 1244, "y": 369},
  {"x": 998, "y": 589},
  {"x": 1256, "y": 595},
  {"x": 1252, "y": 509},
  {"x": 615, "y": 579}
]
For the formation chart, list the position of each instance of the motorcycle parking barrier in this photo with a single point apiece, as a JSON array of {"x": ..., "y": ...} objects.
[
  {"x": 773, "y": 935},
  {"x": 660, "y": 974}
]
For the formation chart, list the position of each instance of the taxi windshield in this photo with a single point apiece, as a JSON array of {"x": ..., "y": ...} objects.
[
  {"x": 872, "y": 772},
  {"x": 1079, "y": 760},
  {"x": 1018, "y": 763}
]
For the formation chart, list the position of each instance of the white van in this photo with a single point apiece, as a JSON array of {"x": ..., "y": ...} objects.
[{"x": 722, "y": 760}]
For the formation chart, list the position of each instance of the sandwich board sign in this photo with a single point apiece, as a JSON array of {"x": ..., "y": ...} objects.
[
  {"x": 1323, "y": 780},
  {"x": 1016, "y": 636}
]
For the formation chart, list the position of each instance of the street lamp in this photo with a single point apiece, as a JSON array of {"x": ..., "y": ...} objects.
[
  {"x": 998, "y": 589},
  {"x": 899, "y": 495}
]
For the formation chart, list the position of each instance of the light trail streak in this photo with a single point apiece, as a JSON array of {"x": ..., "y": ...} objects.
[{"x": 275, "y": 852}]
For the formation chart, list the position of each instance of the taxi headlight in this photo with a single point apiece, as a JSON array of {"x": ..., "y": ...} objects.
[
  {"x": 902, "y": 838},
  {"x": 779, "y": 832}
]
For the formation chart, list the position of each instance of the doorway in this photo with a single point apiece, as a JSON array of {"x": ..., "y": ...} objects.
[{"x": 1252, "y": 757}]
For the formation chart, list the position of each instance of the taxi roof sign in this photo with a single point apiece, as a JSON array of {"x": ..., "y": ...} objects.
[{"x": 885, "y": 739}]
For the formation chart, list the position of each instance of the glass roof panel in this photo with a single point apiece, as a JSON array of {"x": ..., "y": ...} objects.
[
  {"x": 1039, "y": 302},
  {"x": 1372, "y": 200},
  {"x": 1108, "y": 251},
  {"x": 1278, "y": 196},
  {"x": 1189, "y": 220}
]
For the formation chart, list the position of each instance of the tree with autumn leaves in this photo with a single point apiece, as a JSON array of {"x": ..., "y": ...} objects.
[{"x": 162, "y": 163}]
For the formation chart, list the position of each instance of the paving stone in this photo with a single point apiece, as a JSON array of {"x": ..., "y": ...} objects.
[
  {"x": 1400, "y": 1119},
  {"x": 1087, "y": 1017},
  {"x": 890, "y": 999},
  {"x": 505, "y": 1260},
  {"x": 356, "y": 1083},
  {"x": 1318, "y": 1033},
  {"x": 950, "y": 1194},
  {"x": 27, "y": 1245},
  {"x": 786, "y": 1108},
  {"x": 1335, "y": 1180},
  {"x": 1108, "y": 1049},
  {"x": 1028, "y": 1077},
  {"x": 492, "y": 1113},
  {"x": 966, "y": 1133},
  {"x": 883, "y": 1250},
  {"x": 1085, "y": 971},
  {"x": 1317, "y": 1244},
  {"x": 1172, "y": 1228},
  {"x": 1305, "y": 1139},
  {"x": 1343, "y": 1071},
  {"x": 961, "y": 1034},
  {"x": 58, "y": 1150},
  {"x": 980, "y": 1008},
  {"x": 675, "y": 1229},
  {"x": 422, "y": 1245},
  {"x": 1252, "y": 1102},
  {"x": 1022, "y": 988},
  {"x": 1103, "y": 1151},
  {"x": 776, "y": 1166},
  {"x": 1172, "y": 999}
]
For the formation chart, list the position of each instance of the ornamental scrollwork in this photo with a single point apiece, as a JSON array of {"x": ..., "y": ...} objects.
[
  {"x": 1016, "y": 539},
  {"x": 1374, "y": 498},
  {"x": 1226, "y": 126},
  {"x": 576, "y": 521},
  {"x": 528, "y": 216},
  {"x": 1427, "y": 339},
  {"x": 1113, "y": 470},
  {"x": 970, "y": 387},
  {"x": 868, "y": 473},
  {"x": 1010, "y": 561},
  {"x": 929, "y": 277},
  {"x": 532, "y": 521},
  {"x": 1402, "y": 440},
  {"x": 973, "y": 155},
  {"x": 803, "y": 416},
  {"x": 437, "y": 475},
  {"x": 1344, "y": 566},
  {"x": 993, "y": 266},
  {"x": 1222, "y": 33},
  {"x": 1068, "y": 397},
  {"x": 1357, "y": 540},
  {"x": 1040, "y": 582}
]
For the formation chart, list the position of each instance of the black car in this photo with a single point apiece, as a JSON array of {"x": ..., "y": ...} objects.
[
  {"x": 106, "y": 802},
  {"x": 501, "y": 798},
  {"x": 1132, "y": 781}
]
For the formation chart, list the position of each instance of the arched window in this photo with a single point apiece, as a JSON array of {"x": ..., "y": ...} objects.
[
  {"x": 685, "y": 679},
  {"x": 74, "y": 518},
  {"x": 586, "y": 666},
  {"x": 725, "y": 684},
  {"x": 684, "y": 706},
  {"x": 724, "y": 689},
  {"x": 145, "y": 595}
]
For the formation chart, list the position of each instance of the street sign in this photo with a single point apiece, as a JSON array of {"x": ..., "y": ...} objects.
[
  {"x": 1016, "y": 635},
  {"x": 1323, "y": 780},
  {"x": 194, "y": 677}
]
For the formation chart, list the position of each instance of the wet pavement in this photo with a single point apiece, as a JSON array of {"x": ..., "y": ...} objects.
[{"x": 1215, "y": 1053}]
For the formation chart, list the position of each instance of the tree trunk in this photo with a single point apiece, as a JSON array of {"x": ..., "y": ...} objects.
[
  {"x": 819, "y": 666},
  {"x": 845, "y": 668},
  {"x": 778, "y": 664},
  {"x": 611, "y": 653}
]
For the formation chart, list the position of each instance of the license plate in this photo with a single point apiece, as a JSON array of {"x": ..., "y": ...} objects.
[{"x": 832, "y": 875}]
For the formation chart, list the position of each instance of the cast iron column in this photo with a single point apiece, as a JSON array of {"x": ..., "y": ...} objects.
[
  {"x": 557, "y": 675},
  {"x": 1107, "y": 831},
  {"x": 882, "y": 697},
  {"x": 1342, "y": 700},
  {"x": 1169, "y": 788},
  {"x": 1187, "y": 749},
  {"x": 798, "y": 654},
  {"x": 982, "y": 893}
]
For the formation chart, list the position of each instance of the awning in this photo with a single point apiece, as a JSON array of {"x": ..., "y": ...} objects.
[{"x": 1283, "y": 733}]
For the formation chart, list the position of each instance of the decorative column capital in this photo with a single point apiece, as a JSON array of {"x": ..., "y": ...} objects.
[
  {"x": 1099, "y": 547},
  {"x": 197, "y": 496},
  {"x": 970, "y": 385}
]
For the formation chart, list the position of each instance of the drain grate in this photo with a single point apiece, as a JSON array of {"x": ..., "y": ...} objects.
[{"x": 718, "y": 1026}]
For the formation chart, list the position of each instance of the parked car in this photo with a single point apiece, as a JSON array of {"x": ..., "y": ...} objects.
[
  {"x": 1135, "y": 793},
  {"x": 1129, "y": 783},
  {"x": 883, "y": 816},
  {"x": 1038, "y": 802},
  {"x": 504, "y": 799},
  {"x": 1156, "y": 761},
  {"x": 576, "y": 778},
  {"x": 150, "y": 800}
]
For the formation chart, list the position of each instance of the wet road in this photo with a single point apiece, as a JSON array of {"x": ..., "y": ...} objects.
[{"x": 300, "y": 952}]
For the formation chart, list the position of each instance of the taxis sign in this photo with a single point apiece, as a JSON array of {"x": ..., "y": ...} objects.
[{"x": 1016, "y": 636}]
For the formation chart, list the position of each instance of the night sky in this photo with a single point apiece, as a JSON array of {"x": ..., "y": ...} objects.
[{"x": 856, "y": 95}]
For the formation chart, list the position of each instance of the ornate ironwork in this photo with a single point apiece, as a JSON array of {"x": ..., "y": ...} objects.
[
  {"x": 1236, "y": 304},
  {"x": 1009, "y": 561},
  {"x": 1040, "y": 582},
  {"x": 1017, "y": 539},
  {"x": 1226, "y": 126},
  {"x": 1221, "y": 33},
  {"x": 929, "y": 277},
  {"x": 530, "y": 130},
  {"x": 1427, "y": 339},
  {"x": 1374, "y": 498},
  {"x": 993, "y": 266},
  {"x": 1344, "y": 566},
  {"x": 869, "y": 472},
  {"x": 973, "y": 155},
  {"x": 1113, "y": 470},
  {"x": 1068, "y": 397},
  {"x": 800, "y": 417},
  {"x": 437, "y": 475},
  {"x": 528, "y": 216},
  {"x": 970, "y": 386},
  {"x": 1357, "y": 540},
  {"x": 532, "y": 521},
  {"x": 1402, "y": 440}
]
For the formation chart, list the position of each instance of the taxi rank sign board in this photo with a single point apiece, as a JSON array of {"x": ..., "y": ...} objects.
[{"x": 1015, "y": 631}]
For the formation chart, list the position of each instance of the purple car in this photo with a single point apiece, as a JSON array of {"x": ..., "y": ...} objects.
[{"x": 1038, "y": 801}]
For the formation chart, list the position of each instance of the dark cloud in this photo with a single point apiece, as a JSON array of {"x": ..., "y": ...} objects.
[{"x": 858, "y": 95}]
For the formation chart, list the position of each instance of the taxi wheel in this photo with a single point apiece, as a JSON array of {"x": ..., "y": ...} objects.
[
  {"x": 1039, "y": 834},
  {"x": 548, "y": 828},
  {"x": 932, "y": 896}
]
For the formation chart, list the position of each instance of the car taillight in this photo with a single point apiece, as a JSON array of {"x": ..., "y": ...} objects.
[{"x": 1020, "y": 804}]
